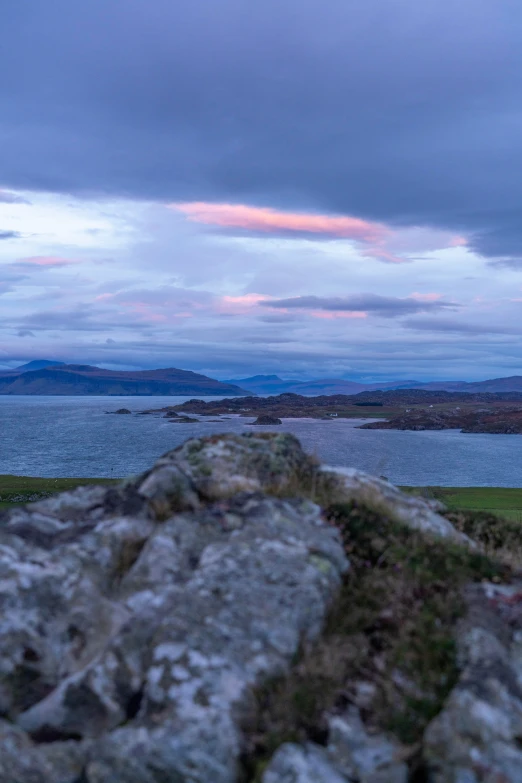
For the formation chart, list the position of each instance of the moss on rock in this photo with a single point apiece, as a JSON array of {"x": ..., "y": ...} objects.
[{"x": 393, "y": 630}]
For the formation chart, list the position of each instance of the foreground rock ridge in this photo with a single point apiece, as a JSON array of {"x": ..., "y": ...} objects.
[{"x": 240, "y": 614}]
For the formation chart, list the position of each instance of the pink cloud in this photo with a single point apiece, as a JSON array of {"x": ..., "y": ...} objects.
[
  {"x": 457, "y": 241},
  {"x": 425, "y": 297},
  {"x": 46, "y": 261},
  {"x": 145, "y": 312},
  {"x": 333, "y": 316},
  {"x": 245, "y": 299},
  {"x": 272, "y": 221},
  {"x": 381, "y": 254},
  {"x": 239, "y": 304},
  {"x": 383, "y": 243}
]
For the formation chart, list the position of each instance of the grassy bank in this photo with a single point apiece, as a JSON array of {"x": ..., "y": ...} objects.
[
  {"x": 25, "y": 489},
  {"x": 502, "y": 501}
]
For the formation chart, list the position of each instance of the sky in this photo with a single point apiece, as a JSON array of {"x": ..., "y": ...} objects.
[{"x": 313, "y": 188}]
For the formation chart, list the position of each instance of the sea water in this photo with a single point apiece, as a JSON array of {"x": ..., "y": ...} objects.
[{"x": 74, "y": 436}]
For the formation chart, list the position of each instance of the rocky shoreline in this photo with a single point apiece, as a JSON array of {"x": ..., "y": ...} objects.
[
  {"x": 408, "y": 409},
  {"x": 506, "y": 421},
  {"x": 498, "y": 417},
  {"x": 242, "y": 614}
]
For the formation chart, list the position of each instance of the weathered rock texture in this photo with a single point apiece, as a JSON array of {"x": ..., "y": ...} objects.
[
  {"x": 382, "y": 497},
  {"x": 477, "y": 736},
  {"x": 139, "y": 622},
  {"x": 350, "y": 755}
]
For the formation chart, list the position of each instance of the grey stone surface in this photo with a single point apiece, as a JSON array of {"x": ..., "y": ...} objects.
[
  {"x": 352, "y": 485},
  {"x": 362, "y": 756},
  {"x": 352, "y": 754},
  {"x": 302, "y": 764},
  {"x": 477, "y": 736},
  {"x": 136, "y": 621},
  {"x": 220, "y": 467}
]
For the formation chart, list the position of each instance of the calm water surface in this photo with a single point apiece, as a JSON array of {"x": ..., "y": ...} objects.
[{"x": 73, "y": 436}]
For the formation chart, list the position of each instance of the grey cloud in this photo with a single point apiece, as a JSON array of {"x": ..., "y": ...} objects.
[
  {"x": 82, "y": 318},
  {"x": 11, "y": 198},
  {"x": 219, "y": 359},
  {"x": 277, "y": 232},
  {"x": 164, "y": 297},
  {"x": 507, "y": 263},
  {"x": 25, "y": 333},
  {"x": 458, "y": 327},
  {"x": 313, "y": 349},
  {"x": 9, "y": 235},
  {"x": 402, "y": 112},
  {"x": 387, "y": 306},
  {"x": 8, "y": 276},
  {"x": 278, "y": 318},
  {"x": 269, "y": 339}
]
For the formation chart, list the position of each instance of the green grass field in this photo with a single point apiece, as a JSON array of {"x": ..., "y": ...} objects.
[
  {"x": 504, "y": 502},
  {"x": 24, "y": 489}
]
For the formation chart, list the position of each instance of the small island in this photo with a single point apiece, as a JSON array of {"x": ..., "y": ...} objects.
[{"x": 266, "y": 420}]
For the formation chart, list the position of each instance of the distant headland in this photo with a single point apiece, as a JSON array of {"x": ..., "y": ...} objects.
[{"x": 49, "y": 378}]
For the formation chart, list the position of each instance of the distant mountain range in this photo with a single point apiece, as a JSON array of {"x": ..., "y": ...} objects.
[
  {"x": 45, "y": 377},
  {"x": 272, "y": 384}
]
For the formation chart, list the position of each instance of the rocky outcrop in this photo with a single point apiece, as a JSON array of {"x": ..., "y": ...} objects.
[
  {"x": 266, "y": 419},
  {"x": 502, "y": 420},
  {"x": 145, "y": 628},
  {"x": 352, "y": 485}
]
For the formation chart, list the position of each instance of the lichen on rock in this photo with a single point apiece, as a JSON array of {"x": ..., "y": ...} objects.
[
  {"x": 135, "y": 642},
  {"x": 239, "y": 614}
]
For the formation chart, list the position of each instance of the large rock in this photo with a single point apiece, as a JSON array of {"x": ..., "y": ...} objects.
[
  {"x": 136, "y": 621},
  {"x": 222, "y": 466}
]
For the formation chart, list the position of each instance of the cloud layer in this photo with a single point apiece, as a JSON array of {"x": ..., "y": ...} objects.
[
  {"x": 385, "y": 111},
  {"x": 137, "y": 284},
  {"x": 294, "y": 187}
]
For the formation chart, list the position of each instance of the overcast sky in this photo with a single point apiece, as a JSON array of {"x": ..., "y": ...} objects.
[{"x": 313, "y": 188}]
